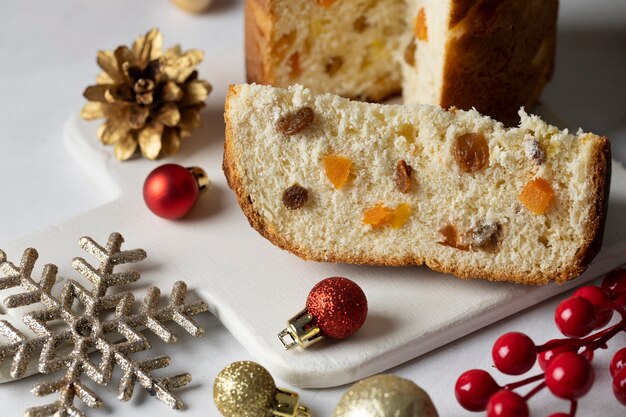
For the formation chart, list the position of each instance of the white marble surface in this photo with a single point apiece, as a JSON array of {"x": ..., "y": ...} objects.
[{"x": 47, "y": 57}]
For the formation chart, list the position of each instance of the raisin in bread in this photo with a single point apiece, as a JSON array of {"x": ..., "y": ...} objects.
[
  {"x": 495, "y": 56},
  {"x": 331, "y": 179}
]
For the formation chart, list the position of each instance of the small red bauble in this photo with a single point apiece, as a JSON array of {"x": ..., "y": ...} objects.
[
  {"x": 506, "y": 403},
  {"x": 575, "y": 317},
  {"x": 338, "y": 305},
  {"x": 569, "y": 376},
  {"x": 170, "y": 191},
  {"x": 474, "y": 388},
  {"x": 514, "y": 353}
]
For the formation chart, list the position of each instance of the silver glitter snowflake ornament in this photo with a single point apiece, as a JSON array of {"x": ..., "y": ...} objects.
[{"x": 91, "y": 332}]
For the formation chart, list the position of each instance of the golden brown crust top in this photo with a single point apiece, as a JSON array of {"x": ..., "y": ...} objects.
[{"x": 503, "y": 55}]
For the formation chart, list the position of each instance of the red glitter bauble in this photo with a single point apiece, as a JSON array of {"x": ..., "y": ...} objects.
[
  {"x": 338, "y": 305},
  {"x": 170, "y": 191}
]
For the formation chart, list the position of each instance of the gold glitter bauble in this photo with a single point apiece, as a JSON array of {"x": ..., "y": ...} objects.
[
  {"x": 193, "y": 6},
  {"x": 244, "y": 389},
  {"x": 385, "y": 396}
]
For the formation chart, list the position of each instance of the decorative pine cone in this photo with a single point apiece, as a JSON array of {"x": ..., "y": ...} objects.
[{"x": 150, "y": 98}]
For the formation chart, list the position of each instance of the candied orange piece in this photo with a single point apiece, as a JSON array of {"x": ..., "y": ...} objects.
[
  {"x": 337, "y": 169},
  {"x": 381, "y": 215},
  {"x": 537, "y": 195},
  {"x": 325, "y": 3},
  {"x": 400, "y": 215},
  {"x": 294, "y": 65},
  {"x": 377, "y": 216},
  {"x": 421, "y": 28}
]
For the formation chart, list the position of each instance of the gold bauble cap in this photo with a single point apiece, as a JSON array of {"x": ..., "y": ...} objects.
[{"x": 385, "y": 396}]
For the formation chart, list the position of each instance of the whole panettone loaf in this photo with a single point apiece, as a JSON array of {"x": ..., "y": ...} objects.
[
  {"x": 331, "y": 179},
  {"x": 493, "y": 55}
]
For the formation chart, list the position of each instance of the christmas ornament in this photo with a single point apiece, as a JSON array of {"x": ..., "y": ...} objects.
[
  {"x": 385, "y": 396},
  {"x": 246, "y": 389},
  {"x": 566, "y": 363},
  {"x": 150, "y": 98},
  {"x": 89, "y": 331},
  {"x": 193, "y": 6},
  {"x": 336, "y": 307},
  {"x": 170, "y": 191}
]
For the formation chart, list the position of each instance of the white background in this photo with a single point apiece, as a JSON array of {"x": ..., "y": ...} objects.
[{"x": 47, "y": 57}]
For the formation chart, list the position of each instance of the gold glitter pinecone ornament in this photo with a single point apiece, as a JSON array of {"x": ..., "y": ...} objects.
[
  {"x": 150, "y": 98},
  {"x": 385, "y": 396}
]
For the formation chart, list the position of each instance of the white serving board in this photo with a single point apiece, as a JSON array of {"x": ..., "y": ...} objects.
[{"x": 254, "y": 287}]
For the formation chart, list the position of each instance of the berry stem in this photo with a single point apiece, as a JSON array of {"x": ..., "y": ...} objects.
[
  {"x": 523, "y": 382},
  {"x": 573, "y": 407},
  {"x": 535, "y": 390}
]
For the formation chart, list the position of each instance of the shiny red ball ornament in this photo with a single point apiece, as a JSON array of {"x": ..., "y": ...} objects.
[
  {"x": 170, "y": 191},
  {"x": 339, "y": 307},
  {"x": 336, "y": 307}
]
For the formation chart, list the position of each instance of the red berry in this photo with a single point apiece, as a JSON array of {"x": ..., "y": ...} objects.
[
  {"x": 507, "y": 404},
  {"x": 575, "y": 317},
  {"x": 618, "y": 362},
  {"x": 546, "y": 356},
  {"x": 569, "y": 376},
  {"x": 474, "y": 388},
  {"x": 619, "y": 386},
  {"x": 559, "y": 415},
  {"x": 598, "y": 297},
  {"x": 615, "y": 282},
  {"x": 514, "y": 353}
]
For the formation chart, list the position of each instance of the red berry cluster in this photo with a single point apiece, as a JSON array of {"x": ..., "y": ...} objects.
[{"x": 566, "y": 363}]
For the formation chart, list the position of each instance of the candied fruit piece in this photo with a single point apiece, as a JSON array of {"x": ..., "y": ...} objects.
[
  {"x": 486, "y": 237},
  {"x": 294, "y": 65},
  {"x": 409, "y": 53},
  {"x": 471, "y": 152},
  {"x": 282, "y": 45},
  {"x": 537, "y": 195},
  {"x": 294, "y": 123},
  {"x": 333, "y": 64},
  {"x": 420, "y": 27},
  {"x": 325, "y": 3},
  {"x": 361, "y": 24},
  {"x": 337, "y": 169},
  {"x": 403, "y": 176},
  {"x": 451, "y": 238},
  {"x": 381, "y": 215},
  {"x": 400, "y": 215},
  {"x": 295, "y": 197},
  {"x": 377, "y": 216}
]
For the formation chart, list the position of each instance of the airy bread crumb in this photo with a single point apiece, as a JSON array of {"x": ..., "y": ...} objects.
[{"x": 498, "y": 237}]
